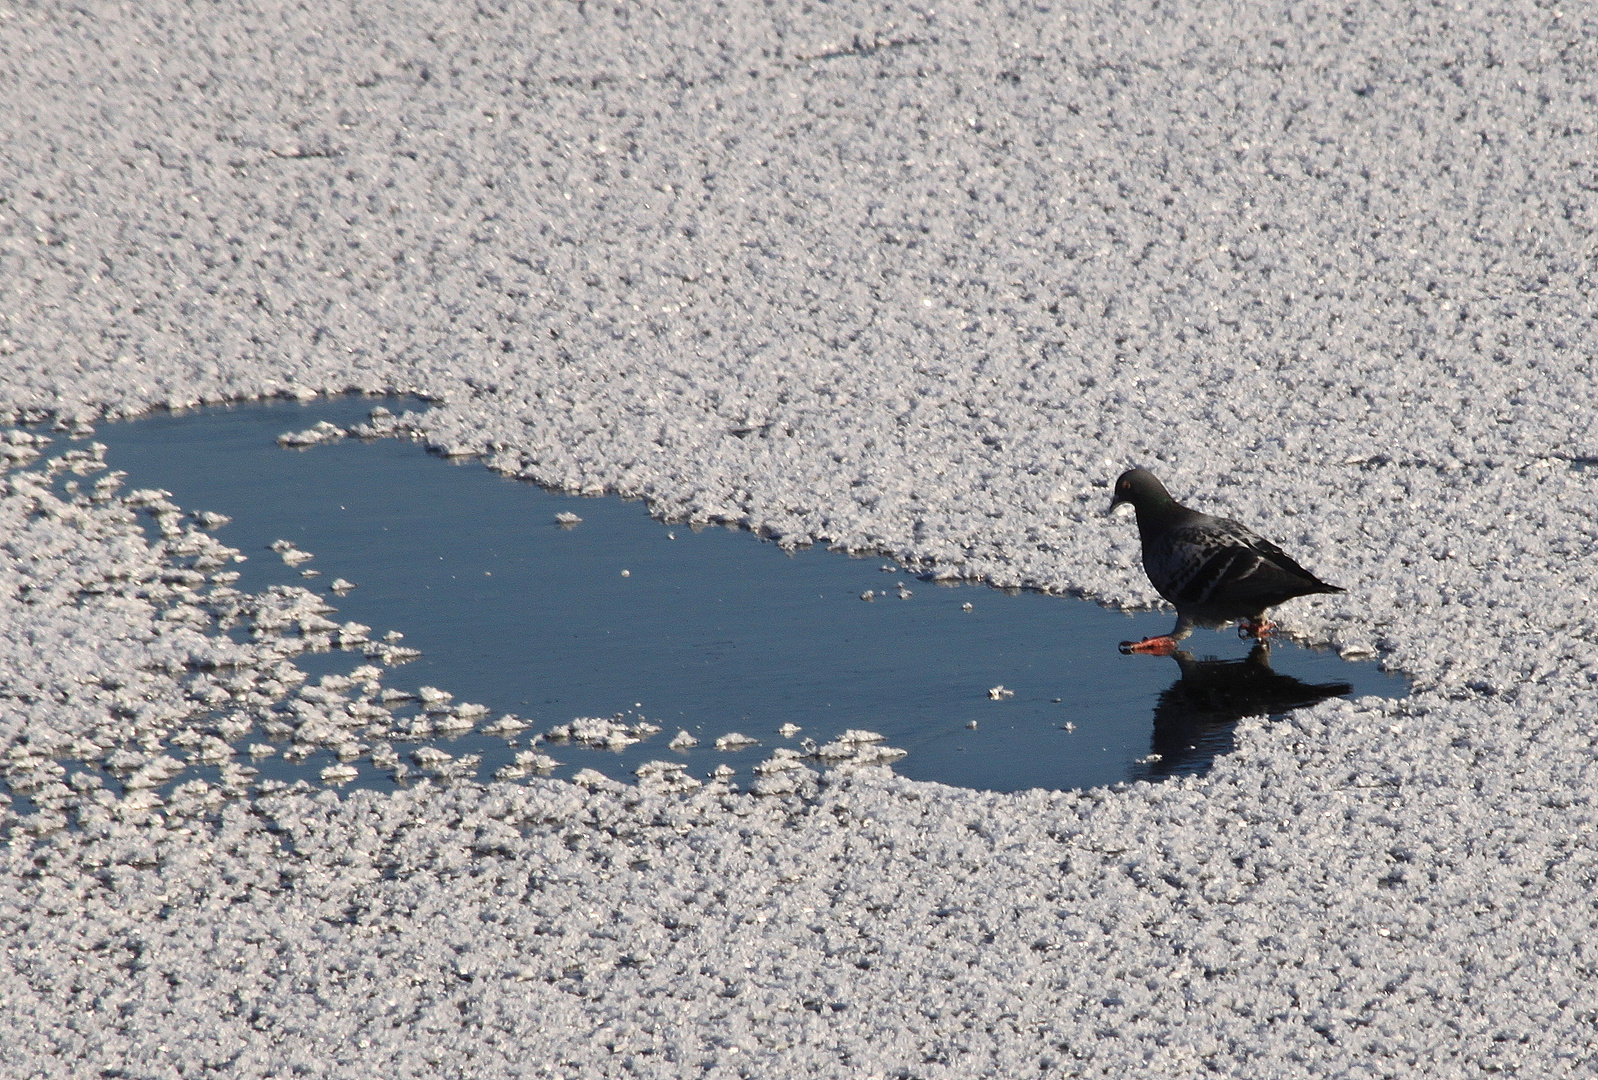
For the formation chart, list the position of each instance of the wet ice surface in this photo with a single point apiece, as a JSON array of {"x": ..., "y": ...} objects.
[{"x": 552, "y": 607}]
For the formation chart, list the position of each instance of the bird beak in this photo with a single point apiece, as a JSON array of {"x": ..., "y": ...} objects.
[{"x": 1115, "y": 504}]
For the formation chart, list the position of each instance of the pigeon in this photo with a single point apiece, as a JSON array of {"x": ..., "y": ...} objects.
[{"x": 1213, "y": 570}]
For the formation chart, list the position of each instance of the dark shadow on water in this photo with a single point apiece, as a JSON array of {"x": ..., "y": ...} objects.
[
  {"x": 707, "y": 630},
  {"x": 1196, "y": 715}
]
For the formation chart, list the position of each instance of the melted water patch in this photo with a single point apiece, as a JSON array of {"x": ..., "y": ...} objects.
[{"x": 550, "y": 608}]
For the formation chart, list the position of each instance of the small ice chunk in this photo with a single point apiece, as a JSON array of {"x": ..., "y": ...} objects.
[
  {"x": 735, "y": 741},
  {"x": 342, "y": 773},
  {"x": 787, "y": 782},
  {"x": 430, "y": 757},
  {"x": 850, "y": 745},
  {"x": 310, "y": 573},
  {"x": 294, "y": 556},
  {"x": 602, "y": 731},
  {"x": 855, "y": 735},
  {"x": 532, "y": 759},
  {"x": 341, "y": 586},
  {"x": 999, "y": 693},
  {"x": 972, "y": 724},
  {"x": 124, "y": 759},
  {"x": 966, "y": 606},
  {"x": 432, "y": 697},
  {"x": 527, "y": 761},
  {"x": 262, "y": 750},
  {"x": 505, "y": 726},
  {"x": 153, "y": 499},
  {"x": 322, "y": 432},
  {"x": 723, "y": 773},
  {"x": 665, "y": 776},
  {"x": 594, "y": 780},
  {"x": 566, "y": 519},
  {"x": 459, "y": 719},
  {"x": 626, "y": 573},
  {"x": 788, "y": 731},
  {"x": 869, "y": 594},
  {"x": 781, "y": 760},
  {"x": 235, "y": 776},
  {"x": 876, "y": 755},
  {"x": 384, "y": 756},
  {"x": 153, "y": 773},
  {"x": 208, "y": 519},
  {"x": 682, "y": 741},
  {"x": 213, "y": 751}
]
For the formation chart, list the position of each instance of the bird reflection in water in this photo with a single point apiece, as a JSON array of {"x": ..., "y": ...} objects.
[{"x": 1196, "y": 715}]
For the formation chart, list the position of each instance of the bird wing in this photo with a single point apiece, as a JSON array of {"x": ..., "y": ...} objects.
[{"x": 1213, "y": 560}]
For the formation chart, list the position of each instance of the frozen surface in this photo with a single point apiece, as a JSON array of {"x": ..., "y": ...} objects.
[{"x": 897, "y": 278}]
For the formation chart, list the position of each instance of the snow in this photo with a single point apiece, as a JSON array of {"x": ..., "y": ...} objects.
[{"x": 908, "y": 279}]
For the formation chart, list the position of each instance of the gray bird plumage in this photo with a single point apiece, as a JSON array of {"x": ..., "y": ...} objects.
[{"x": 1211, "y": 569}]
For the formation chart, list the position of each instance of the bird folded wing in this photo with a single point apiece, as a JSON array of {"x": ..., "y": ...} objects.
[{"x": 1214, "y": 559}]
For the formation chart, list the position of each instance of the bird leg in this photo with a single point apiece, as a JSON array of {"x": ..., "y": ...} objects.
[
  {"x": 1257, "y": 629},
  {"x": 1164, "y": 645}
]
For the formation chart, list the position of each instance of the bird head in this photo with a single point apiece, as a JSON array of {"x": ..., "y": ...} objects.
[{"x": 1140, "y": 488}]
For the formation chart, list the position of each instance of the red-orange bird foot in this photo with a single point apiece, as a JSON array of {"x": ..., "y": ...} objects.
[{"x": 1164, "y": 645}]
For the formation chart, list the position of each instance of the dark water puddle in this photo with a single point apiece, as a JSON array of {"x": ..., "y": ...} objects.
[{"x": 711, "y": 631}]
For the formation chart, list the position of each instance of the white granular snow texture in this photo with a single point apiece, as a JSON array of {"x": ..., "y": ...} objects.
[{"x": 918, "y": 278}]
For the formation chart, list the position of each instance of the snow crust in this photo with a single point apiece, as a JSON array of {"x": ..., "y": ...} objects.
[{"x": 915, "y": 279}]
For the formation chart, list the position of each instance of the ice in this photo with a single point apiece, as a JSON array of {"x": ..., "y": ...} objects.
[
  {"x": 916, "y": 283},
  {"x": 507, "y": 725},
  {"x": 601, "y": 731},
  {"x": 341, "y": 773},
  {"x": 433, "y": 699},
  {"x": 665, "y": 776},
  {"x": 322, "y": 432},
  {"x": 853, "y": 747},
  {"x": 781, "y": 760}
]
